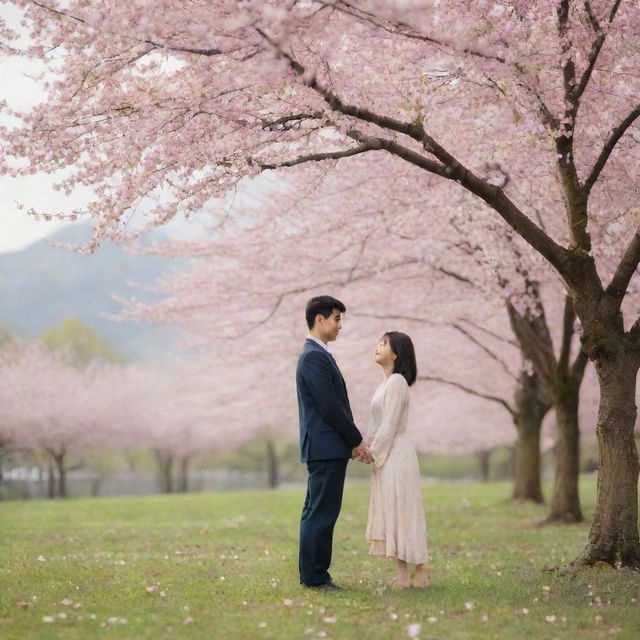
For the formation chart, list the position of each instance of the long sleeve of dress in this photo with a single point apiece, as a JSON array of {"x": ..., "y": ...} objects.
[{"x": 396, "y": 395}]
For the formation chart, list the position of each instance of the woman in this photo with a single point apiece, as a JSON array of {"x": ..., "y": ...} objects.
[{"x": 396, "y": 525}]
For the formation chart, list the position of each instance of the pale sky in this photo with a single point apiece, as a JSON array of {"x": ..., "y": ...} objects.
[
  {"x": 21, "y": 90},
  {"x": 17, "y": 228}
]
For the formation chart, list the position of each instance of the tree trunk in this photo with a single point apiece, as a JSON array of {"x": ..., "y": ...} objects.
[
  {"x": 565, "y": 503},
  {"x": 62, "y": 475},
  {"x": 613, "y": 537},
  {"x": 511, "y": 451},
  {"x": 183, "y": 478},
  {"x": 272, "y": 465},
  {"x": 131, "y": 461},
  {"x": 532, "y": 404},
  {"x": 96, "y": 484},
  {"x": 483, "y": 458},
  {"x": 165, "y": 468},
  {"x": 51, "y": 482},
  {"x": 527, "y": 484}
]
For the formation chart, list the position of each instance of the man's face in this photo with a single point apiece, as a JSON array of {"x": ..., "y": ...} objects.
[{"x": 329, "y": 327}]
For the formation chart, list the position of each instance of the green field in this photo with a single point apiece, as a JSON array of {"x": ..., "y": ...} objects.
[{"x": 224, "y": 565}]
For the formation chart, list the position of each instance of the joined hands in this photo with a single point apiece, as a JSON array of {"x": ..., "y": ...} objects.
[{"x": 362, "y": 453}]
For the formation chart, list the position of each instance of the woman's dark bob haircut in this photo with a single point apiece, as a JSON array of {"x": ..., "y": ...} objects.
[{"x": 405, "y": 362}]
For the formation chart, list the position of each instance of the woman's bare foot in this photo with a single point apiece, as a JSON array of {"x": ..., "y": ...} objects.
[
  {"x": 400, "y": 584},
  {"x": 421, "y": 583},
  {"x": 401, "y": 581},
  {"x": 420, "y": 579}
]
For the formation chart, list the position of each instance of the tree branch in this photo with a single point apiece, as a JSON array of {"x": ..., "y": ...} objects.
[
  {"x": 285, "y": 120},
  {"x": 457, "y": 327},
  {"x": 455, "y": 275},
  {"x": 403, "y": 152},
  {"x": 568, "y": 67},
  {"x": 153, "y": 43},
  {"x": 579, "y": 365},
  {"x": 402, "y": 29},
  {"x": 317, "y": 157},
  {"x": 380, "y": 316},
  {"x": 369, "y": 143},
  {"x": 449, "y": 168},
  {"x": 634, "y": 335},
  {"x": 485, "y": 348},
  {"x": 490, "y": 333},
  {"x": 575, "y": 198},
  {"x": 596, "y": 47},
  {"x": 627, "y": 267},
  {"x": 593, "y": 20},
  {"x": 473, "y": 392},
  {"x": 535, "y": 341},
  {"x": 610, "y": 144},
  {"x": 567, "y": 336},
  {"x": 337, "y": 282},
  {"x": 546, "y": 116}
]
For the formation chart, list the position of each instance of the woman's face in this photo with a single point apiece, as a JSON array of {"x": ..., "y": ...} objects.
[{"x": 383, "y": 354}]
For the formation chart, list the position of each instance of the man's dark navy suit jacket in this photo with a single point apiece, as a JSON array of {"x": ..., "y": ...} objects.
[{"x": 327, "y": 430}]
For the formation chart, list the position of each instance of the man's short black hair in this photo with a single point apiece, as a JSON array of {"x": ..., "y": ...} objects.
[{"x": 323, "y": 305}]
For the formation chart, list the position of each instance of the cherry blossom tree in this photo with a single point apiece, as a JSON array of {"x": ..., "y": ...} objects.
[
  {"x": 177, "y": 411},
  {"x": 51, "y": 405},
  {"x": 240, "y": 309},
  {"x": 8, "y": 352},
  {"x": 180, "y": 109},
  {"x": 556, "y": 373},
  {"x": 273, "y": 261}
]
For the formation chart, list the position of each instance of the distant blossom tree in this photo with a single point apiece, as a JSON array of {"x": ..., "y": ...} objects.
[{"x": 51, "y": 406}]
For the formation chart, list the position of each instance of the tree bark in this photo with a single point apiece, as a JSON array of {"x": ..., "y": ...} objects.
[
  {"x": 165, "y": 471},
  {"x": 562, "y": 380},
  {"x": 565, "y": 503},
  {"x": 273, "y": 474},
  {"x": 613, "y": 537},
  {"x": 484, "y": 457},
  {"x": 96, "y": 485},
  {"x": 51, "y": 482},
  {"x": 511, "y": 450},
  {"x": 183, "y": 478},
  {"x": 527, "y": 482},
  {"x": 62, "y": 475},
  {"x": 532, "y": 404}
]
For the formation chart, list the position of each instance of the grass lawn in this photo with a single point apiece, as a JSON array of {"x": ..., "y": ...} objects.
[{"x": 224, "y": 565}]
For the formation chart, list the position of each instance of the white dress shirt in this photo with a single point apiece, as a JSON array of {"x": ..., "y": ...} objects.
[{"x": 322, "y": 344}]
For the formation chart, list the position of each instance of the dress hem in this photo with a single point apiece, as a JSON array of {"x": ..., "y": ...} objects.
[{"x": 379, "y": 548}]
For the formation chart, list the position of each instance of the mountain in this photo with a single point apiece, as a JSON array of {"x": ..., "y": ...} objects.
[{"x": 42, "y": 284}]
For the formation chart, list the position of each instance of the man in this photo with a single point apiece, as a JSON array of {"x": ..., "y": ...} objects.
[{"x": 328, "y": 439}]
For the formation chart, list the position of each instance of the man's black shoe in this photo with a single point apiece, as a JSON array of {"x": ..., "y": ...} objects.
[{"x": 327, "y": 586}]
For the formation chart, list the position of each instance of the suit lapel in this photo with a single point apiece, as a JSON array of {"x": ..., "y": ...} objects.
[
  {"x": 312, "y": 345},
  {"x": 332, "y": 360}
]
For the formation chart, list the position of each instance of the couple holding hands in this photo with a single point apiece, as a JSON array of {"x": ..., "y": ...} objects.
[{"x": 329, "y": 438}]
